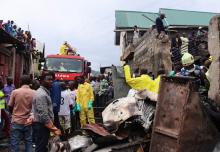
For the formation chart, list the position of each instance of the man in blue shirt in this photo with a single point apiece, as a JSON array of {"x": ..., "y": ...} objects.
[{"x": 55, "y": 94}]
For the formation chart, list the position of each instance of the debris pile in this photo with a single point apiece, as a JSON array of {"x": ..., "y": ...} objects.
[{"x": 127, "y": 124}]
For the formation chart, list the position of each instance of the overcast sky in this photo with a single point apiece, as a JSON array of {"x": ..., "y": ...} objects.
[{"x": 88, "y": 25}]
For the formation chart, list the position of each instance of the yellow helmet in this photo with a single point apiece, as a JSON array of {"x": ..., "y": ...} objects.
[
  {"x": 187, "y": 59},
  {"x": 210, "y": 58}
]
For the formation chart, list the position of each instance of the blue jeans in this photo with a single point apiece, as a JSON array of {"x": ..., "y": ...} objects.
[{"x": 21, "y": 132}]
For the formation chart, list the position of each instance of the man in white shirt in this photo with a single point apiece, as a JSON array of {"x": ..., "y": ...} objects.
[
  {"x": 65, "y": 106},
  {"x": 136, "y": 34}
]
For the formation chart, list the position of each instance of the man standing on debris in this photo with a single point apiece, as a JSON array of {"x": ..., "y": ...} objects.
[
  {"x": 159, "y": 23},
  {"x": 136, "y": 34},
  {"x": 84, "y": 100},
  {"x": 43, "y": 114},
  {"x": 20, "y": 105},
  {"x": 185, "y": 44}
]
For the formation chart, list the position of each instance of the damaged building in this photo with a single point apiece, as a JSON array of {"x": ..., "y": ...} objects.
[{"x": 148, "y": 52}]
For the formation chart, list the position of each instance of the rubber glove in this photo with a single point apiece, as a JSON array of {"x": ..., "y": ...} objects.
[
  {"x": 90, "y": 104},
  {"x": 172, "y": 74},
  {"x": 77, "y": 108}
]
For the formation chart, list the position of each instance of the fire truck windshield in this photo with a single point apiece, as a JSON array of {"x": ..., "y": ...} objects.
[{"x": 64, "y": 65}]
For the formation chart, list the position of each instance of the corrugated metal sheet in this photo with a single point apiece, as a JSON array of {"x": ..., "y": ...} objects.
[
  {"x": 128, "y": 19},
  {"x": 184, "y": 17}
]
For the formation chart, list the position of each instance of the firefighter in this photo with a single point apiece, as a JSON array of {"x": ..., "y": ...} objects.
[
  {"x": 190, "y": 69},
  {"x": 84, "y": 100}
]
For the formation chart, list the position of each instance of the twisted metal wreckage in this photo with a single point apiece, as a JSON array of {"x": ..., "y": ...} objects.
[{"x": 121, "y": 118}]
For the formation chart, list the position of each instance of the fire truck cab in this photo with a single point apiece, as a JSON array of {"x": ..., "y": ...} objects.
[{"x": 67, "y": 67}]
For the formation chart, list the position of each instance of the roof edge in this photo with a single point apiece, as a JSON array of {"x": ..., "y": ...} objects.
[
  {"x": 187, "y": 10},
  {"x": 135, "y": 11}
]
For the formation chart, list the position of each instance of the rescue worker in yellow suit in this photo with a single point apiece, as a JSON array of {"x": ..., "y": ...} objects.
[
  {"x": 84, "y": 100},
  {"x": 64, "y": 48},
  {"x": 144, "y": 82}
]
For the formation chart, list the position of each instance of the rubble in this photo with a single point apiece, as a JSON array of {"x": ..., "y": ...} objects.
[
  {"x": 75, "y": 143},
  {"x": 126, "y": 147},
  {"x": 122, "y": 109},
  {"x": 126, "y": 124},
  {"x": 78, "y": 142}
]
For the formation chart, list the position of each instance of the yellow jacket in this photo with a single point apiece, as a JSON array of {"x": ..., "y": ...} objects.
[
  {"x": 63, "y": 49},
  {"x": 2, "y": 100},
  {"x": 84, "y": 94},
  {"x": 142, "y": 82}
]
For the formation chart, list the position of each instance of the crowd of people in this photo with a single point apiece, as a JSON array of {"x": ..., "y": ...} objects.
[
  {"x": 45, "y": 107},
  {"x": 103, "y": 90},
  {"x": 24, "y": 36}
]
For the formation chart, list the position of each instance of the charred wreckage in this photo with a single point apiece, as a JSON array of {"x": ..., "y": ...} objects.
[{"x": 127, "y": 123}]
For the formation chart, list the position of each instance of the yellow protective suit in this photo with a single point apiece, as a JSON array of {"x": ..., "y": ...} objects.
[
  {"x": 63, "y": 49},
  {"x": 142, "y": 82},
  {"x": 83, "y": 95}
]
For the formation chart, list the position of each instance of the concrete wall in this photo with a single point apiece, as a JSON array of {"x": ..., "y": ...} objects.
[
  {"x": 122, "y": 46},
  {"x": 214, "y": 49},
  {"x": 152, "y": 54},
  {"x": 121, "y": 88}
]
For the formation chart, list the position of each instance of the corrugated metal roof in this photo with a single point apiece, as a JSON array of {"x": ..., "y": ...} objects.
[
  {"x": 128, "y": 19},
  {"x": 184, "y": 17}
]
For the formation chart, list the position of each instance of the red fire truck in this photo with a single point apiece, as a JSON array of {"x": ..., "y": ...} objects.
[{"x": 67, "y": 67}]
